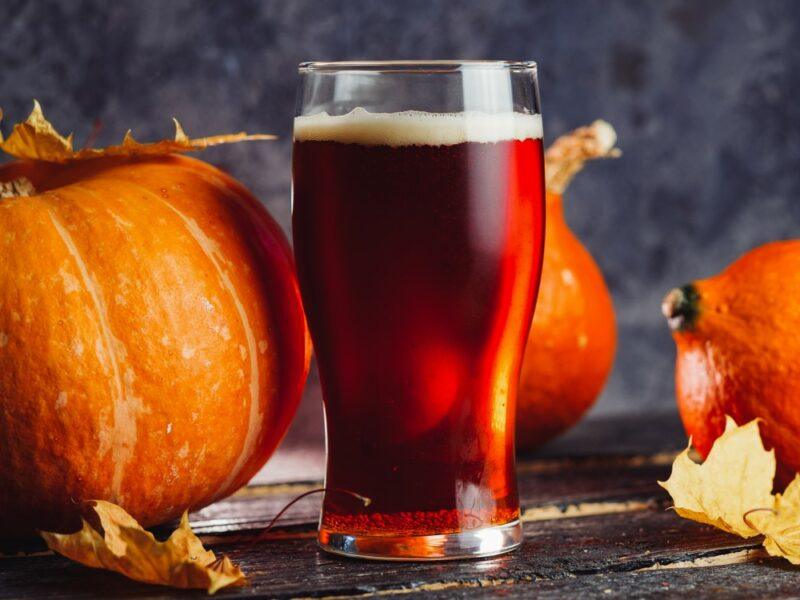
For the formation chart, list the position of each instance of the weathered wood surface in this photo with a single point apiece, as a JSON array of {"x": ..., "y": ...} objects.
[{"x": 595, "y": 524}]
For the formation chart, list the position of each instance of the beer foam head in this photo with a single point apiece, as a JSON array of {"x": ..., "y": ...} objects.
[{"x": 416, "y": 128}]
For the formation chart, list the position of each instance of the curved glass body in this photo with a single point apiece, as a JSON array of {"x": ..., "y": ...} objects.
[{"x": 418, "y": 219}]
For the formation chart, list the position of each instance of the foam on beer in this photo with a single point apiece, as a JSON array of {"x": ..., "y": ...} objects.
[{"x": 416, "y": 128}]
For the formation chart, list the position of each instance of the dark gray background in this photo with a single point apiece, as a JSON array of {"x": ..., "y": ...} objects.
[{"x": 705, "y": 96}]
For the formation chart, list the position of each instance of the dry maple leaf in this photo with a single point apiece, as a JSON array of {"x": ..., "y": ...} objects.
[
  {"x": 735, "y": 478},
  {"x": 37, "y": 139},
  {"x": 781, "y": 525},
  {"x": 732, "y": 490},
  {"x": 123, "y": 546}
]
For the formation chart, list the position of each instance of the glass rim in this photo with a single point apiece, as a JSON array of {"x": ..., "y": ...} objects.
[{"x": 415, "y": 66}]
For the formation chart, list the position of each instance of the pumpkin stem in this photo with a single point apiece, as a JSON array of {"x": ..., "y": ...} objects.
[
  {"x": 16, "y": 188},
  {"x": 681, "y": 307},
  {"x": 566, "y": 156}
]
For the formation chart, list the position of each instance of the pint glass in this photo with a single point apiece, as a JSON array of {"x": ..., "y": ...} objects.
[{"x": 418, "y": 219}]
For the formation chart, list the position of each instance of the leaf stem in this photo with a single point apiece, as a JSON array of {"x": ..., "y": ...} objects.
[
  {"x": 745, "y": 517},
  {"x": 261, "y": 536}
]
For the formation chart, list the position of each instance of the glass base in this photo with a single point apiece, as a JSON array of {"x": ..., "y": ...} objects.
[{"x": 476, "y": 543}]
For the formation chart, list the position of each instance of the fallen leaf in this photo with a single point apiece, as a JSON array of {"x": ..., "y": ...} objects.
[
  {"x": 732, "y": 490},
  {"x": 123, "y": 546},
  {"x": 735, "y": 478},
  {"x": 781, "y": 525},
  {"x": 37, "y": 139}
]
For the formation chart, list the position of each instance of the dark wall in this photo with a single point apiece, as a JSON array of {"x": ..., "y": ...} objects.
[{"x": 704, "y": 96}]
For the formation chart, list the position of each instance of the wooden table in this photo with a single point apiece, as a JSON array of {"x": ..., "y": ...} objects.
[{"x": 594, "y": 519}]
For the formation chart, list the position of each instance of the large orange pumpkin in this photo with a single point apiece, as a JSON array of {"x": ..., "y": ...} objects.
[
  {"x": 573, "y": 336},
  {"x": 153, "y": 347},
  {"x": 738, "y": 341}
]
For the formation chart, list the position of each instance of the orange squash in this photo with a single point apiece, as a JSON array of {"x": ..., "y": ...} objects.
[
  {"x": 738, "y": 351},
  {"x": 153, "y": 347},
  {"x": 572, "y": 339}
]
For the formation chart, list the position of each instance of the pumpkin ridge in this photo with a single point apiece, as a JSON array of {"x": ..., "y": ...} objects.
[
  {"x": 230, "y": 188},
  {"x": 207, "y": 245},
  {"x": 122, "y": 450}
]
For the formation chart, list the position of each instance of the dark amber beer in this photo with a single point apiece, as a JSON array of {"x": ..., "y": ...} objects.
[{"x": 418, "y": 240}]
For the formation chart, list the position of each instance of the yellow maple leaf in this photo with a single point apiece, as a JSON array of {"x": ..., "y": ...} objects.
[
  {"x": 781, "y": 525},
  {"x": 123, "y": 546},
  {"x": 37, "y": 139},
  {"x": 732, "y": 490},
  {"x": 735, "y": 478}
]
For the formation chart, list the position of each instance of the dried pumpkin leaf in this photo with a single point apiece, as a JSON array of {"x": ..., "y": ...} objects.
[
  {"x": 37, "y": 139},
  {"x": 123, "y": 546},
  {"x": 735, "y": 478}
]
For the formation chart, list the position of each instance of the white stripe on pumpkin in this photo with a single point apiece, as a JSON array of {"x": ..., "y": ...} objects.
[
  {"x": 211, "y": 250},
  {"x": 123, "y": 439}
]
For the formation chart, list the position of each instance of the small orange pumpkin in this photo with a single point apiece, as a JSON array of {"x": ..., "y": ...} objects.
[
  {"x": 572, "y": 339},
  {"x": 153, "y": 347},
  {"x": 738, "y": 341}
]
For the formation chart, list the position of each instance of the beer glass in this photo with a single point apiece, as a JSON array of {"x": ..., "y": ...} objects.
[{"x": 418, "y": 216}]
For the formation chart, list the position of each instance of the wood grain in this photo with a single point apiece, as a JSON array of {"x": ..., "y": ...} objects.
[{"x": 594, "y": 525}]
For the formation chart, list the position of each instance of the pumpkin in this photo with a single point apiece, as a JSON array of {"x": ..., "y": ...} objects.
[
  {"x": 572, "y": 339},
  {"x": 738, "y": 351},
  {"x": 153, "y": 347}
]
